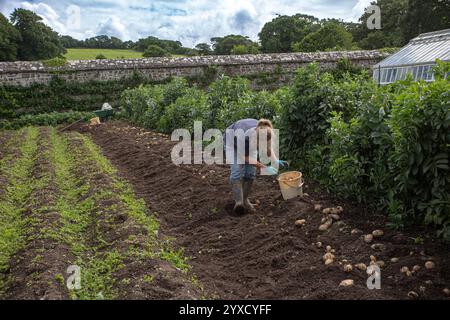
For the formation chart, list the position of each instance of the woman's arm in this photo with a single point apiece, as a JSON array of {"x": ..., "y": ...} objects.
[{"x": 254, "y": 162}]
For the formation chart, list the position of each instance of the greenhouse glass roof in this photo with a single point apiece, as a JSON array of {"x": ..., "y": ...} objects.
[{"x": 417, "y": 58}]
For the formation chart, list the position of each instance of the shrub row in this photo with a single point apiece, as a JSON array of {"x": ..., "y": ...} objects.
[
  {"x": 388, "y": 146},
  {"x": 177, "y": 104},
  {"x": 45, "y": 119},
  {"x": 61, "y": 96}
]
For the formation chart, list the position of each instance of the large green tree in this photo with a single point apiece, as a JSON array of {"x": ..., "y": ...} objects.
[
  {"x": 9, "y": 40},
  {"x": 38, "y": 41},
  {"x": 393, "y": 13},
  {"x": 225, "y": 45},
  {"x": 426, "y": 16},
  {"x": 204, "y": 49},
  {"x": 69, "y": 42},
  {"x": 171, "y": 46},
  {"x": 282, "y": 32},
  {"x": 331, "y": 36}
]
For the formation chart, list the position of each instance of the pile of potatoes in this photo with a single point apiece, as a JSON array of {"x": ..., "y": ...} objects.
[
  {"x": 368, "y": 238},
  {"x": 331, "y": 215},
  {"x": 329, "y": 257}
]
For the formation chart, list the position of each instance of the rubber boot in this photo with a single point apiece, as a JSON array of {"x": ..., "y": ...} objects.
[
  {"x": 247, "y": 186},
  {"x": 238, "y": 196}
]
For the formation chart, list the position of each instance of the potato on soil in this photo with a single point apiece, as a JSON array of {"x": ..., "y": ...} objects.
[
  {"x": 355, "y": 231},
  {"x": 378, "y": 246},
  {"x": 334, "y": 211},
  {"x": 413, "y": 295},
  {"x": 430, "y": 265},
  {"x": 326, "y": 211},
  {"x": 335, "y": 217},
  {"x": 328, "y": 262},
  {"x": 347, "y": 283},
  {"x": 319, "y": 244},
  {"x": 378, "y": 233},
  {"x": 317, "y": 207},
  {"x": 361, "y": 266},
  {"x": 395, "y": 260},
  {"x": 404, "y": 269},
  {"x": 416, "y": 268},
  {"x": 348, "y": 268},
  {"x": 300, "y": 223},
  {"x": 326, "y": 225},
  {"x": 328, "y": 256},
  {"x": 446, "y": 291},
  {"x": 328, "y": 248},
  {"x": 368, "y": 238}
]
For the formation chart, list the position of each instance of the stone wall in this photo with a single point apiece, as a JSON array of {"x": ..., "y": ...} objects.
[{"x": 157, "y": 69}]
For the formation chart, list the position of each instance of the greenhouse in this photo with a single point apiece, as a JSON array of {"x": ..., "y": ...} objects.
[{"x": 418, "y": 58}]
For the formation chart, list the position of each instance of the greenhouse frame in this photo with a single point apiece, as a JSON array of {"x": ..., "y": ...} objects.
[{"x": 417, "y": 59}]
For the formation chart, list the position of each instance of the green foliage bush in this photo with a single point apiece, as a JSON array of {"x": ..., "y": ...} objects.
[
  {"x": 190, "y": 107},
  {"x": 100, "y": 56},
  {"x": 176, "y": 104},
  {"x": 303, "y": 121},
  {"x": 387, "y": 146},
  {"x": 420, "y": 125},
  {"x": 55, "y": 62},
  {"x": 142, "y": 105},
  {"x": 227, "y": 98}
]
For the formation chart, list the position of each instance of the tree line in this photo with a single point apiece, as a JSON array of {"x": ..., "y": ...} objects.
[{"x": 25, "y": 37}]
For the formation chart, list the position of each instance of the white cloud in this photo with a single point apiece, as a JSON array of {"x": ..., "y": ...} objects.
[
  {"x": 189, "y": 21},
  {"x": 113, "y": 27}
]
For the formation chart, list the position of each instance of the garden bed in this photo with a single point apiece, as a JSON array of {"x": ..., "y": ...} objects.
[
  {"x": 265, "y": 255},
  {"x": 63, "y": 206}
]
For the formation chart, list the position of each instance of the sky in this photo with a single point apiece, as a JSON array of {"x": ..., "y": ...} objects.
[{"x": 190, "y": 22}]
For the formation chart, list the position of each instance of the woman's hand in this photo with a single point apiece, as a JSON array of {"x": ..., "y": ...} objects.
[
  {"x": 259, "y": 165},
  {"x": 283, "y": 164},
  {"x": 271, "y": 171}
]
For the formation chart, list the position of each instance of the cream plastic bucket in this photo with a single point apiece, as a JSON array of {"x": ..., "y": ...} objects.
[{"x": 291, "y": 184}]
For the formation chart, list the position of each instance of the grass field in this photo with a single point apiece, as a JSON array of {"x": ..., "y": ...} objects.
[{"x": 90, "y": 54}]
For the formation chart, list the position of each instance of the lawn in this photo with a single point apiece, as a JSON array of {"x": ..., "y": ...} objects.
[{"x": 90, "y": 54}]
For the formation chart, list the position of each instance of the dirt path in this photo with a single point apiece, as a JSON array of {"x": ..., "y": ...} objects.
[{"x": 264, "y": 255}]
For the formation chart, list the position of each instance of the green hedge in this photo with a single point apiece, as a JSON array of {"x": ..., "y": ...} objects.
[{"x": 61, "y": 96}]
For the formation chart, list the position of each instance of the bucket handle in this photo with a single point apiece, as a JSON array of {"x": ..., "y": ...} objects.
[{"x": 293, "y": 186}]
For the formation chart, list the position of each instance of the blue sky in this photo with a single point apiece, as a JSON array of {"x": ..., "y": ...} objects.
[{"x": 190, "y": 22}]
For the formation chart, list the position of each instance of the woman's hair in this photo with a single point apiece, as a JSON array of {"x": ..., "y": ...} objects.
[{"x": 265, "y": 125}]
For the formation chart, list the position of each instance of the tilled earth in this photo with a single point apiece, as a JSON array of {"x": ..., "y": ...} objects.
[
  {"x": 265, "y": 255},
  {"x": 61, "y": 206}
]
